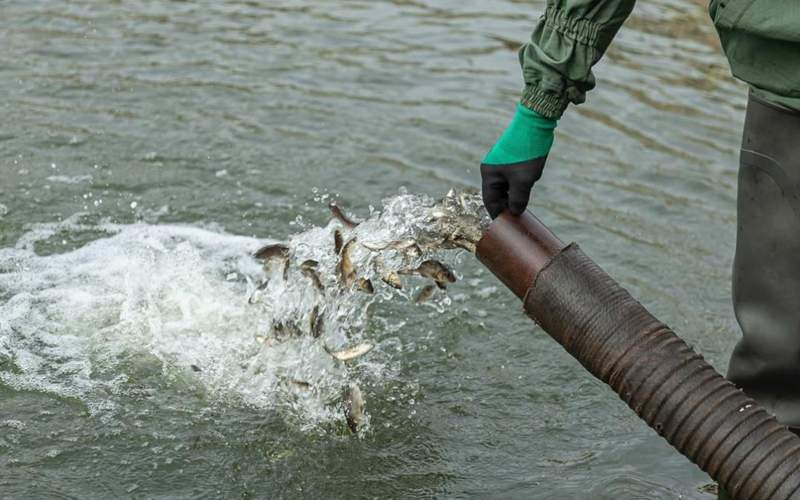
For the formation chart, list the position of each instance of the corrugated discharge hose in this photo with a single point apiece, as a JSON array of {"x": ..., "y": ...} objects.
[{"x": 670, "y": 386}]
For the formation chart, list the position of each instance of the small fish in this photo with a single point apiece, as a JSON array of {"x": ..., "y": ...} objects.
[
  {"x": 424, "y": 294},
  {"x": 275, "y": 251},
  {"x": 309, "y": 264},
  {"x": 309, "y": 269},
  {"x": 374, "y": 247},
  {"x": 316, "y": 323},
  {"x": 392, "y": 279},
  {"x": 464, "y": 243},
  {"x": 434, "y": 270},
  {"x": 468, "y": 227},
  {"x": 272, "y": 251},
  {"x": 256, "y": 295},
  {"x": 394, "y": 245},
  {"x": 351, "y": 352},
  {"x": 302, "y": 384},
  {"x": 286, "y": 263},
  {"x": 354, "y": 406},
  {"x": 337, "y": 242},
  {"x": 281, "y": 330},
  {"x": 340, "y": 215},
  {"x": 195, "y": 368},
  {"x": 365, "y": 285},
  {"x": 345, "y": 267}
]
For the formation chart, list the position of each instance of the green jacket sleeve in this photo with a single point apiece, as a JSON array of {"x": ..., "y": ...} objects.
[{"x": 569, "y": 39}]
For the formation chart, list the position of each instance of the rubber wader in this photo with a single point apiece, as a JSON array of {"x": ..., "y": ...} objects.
[{"x": 766, "y": 270}]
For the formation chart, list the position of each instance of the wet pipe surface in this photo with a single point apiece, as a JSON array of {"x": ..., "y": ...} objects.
[{"x": 516, "y": 249}]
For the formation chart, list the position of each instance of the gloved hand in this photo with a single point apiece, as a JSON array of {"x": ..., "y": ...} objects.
[{"x": 516, "y": 162}]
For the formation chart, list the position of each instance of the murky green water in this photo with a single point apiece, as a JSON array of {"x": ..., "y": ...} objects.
[{"x": 125, "y": 122}]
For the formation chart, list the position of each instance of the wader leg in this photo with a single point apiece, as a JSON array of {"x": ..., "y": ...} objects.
[{"x": 766, "y": 269}]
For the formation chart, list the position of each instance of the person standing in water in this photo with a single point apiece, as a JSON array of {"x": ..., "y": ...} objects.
[{"x": 761, "y": 39}]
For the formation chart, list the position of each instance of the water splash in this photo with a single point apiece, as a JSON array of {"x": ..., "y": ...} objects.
[{"x": 195, "y": 304}]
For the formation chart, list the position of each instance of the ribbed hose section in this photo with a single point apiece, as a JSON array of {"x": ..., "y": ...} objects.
[{"x": 663, "y": 380}]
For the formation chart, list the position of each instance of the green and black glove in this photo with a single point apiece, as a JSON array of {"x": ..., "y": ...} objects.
[{"x": 516, "y": 162}]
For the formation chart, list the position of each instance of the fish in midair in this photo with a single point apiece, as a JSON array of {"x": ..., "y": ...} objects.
[
  {"x": 337, "y": 242},
  {"x": 282, "y": 331},
  {"x": 462, "y": 232},
  {"x": 408, "y": 247},
  {"x": 316, "y": 323},
  {"x": 345, "y": 267},
  {"x": 354, "y": 406},
  {"x": 434, "y": 270},
  {"x": 351, "y": 352},
  {"x": 275, "y": 251},
  {"x": 309, "y": 269},
  {"x": 374, "y": 247},
  {"x": 365, "y": 285},
  {"x": 392, "y": 279},
  {"x": 272, "y": 251},
  {"x": 400, "y": 245},
  {"x": 300, "y": 384},
  {"x": 460, "y": 218},
  {"x": 465, "y": 244},
  {"x": 256, "y": 295},
  {"x": 424, "y": 294},
  {"x": 341, "y": 217}
]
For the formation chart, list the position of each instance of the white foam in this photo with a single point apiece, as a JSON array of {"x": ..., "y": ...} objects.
[
  {"x": 153, "y": 291},
  {"x": 174, "y": 299}
]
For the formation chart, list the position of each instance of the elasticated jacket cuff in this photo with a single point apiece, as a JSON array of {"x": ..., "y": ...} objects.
[
  {"x": 570, "y": 38},
  {"x": 548, "y": 104}
]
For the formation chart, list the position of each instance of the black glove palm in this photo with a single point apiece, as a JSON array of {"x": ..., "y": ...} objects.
[{"x": 509, "y": 186}]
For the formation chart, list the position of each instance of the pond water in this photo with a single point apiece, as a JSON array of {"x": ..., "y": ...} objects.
[{"x": 148, "y": 148}]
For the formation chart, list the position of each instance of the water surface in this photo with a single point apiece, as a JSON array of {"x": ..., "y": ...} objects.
[{"x": 147, "y": 147}]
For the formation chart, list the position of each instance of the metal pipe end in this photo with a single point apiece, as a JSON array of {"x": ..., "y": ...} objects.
[{"x": 516, "y": 248}]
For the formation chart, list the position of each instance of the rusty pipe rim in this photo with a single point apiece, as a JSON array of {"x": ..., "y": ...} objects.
[{"x": 517, "y": 248}]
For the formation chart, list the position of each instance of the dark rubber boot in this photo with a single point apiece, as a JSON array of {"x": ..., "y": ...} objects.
[{"x": 766, "y": 270}]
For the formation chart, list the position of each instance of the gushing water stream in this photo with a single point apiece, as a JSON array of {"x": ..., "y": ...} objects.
[{"x": 194, "y": 304}]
